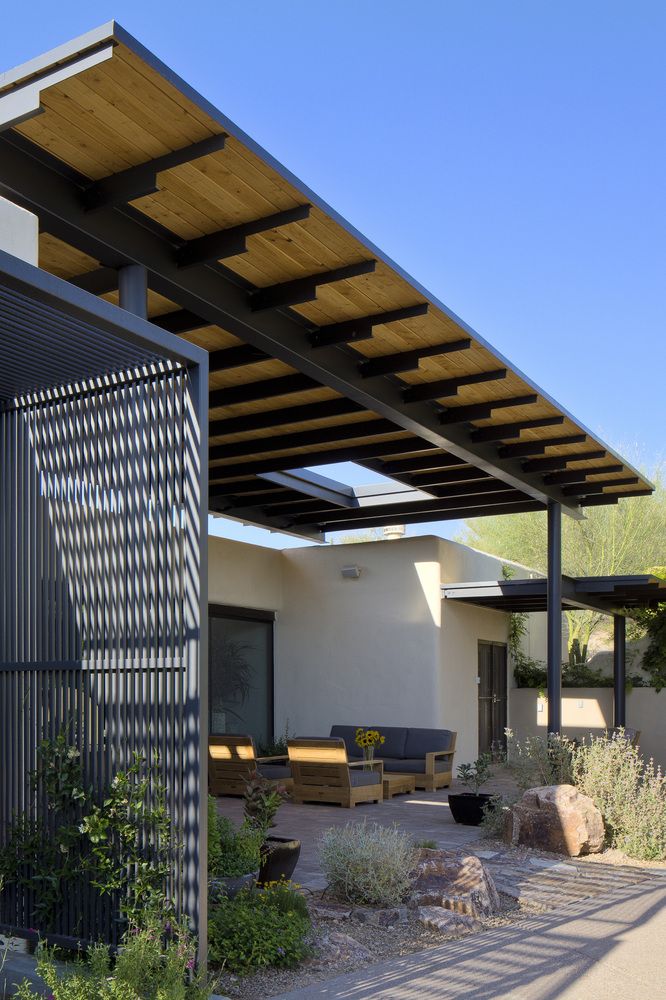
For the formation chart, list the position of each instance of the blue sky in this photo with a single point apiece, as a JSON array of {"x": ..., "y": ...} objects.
[{"x": 510, "y": 155}]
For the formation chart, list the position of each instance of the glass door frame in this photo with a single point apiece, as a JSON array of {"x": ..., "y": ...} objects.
[{"x": 254, "y": 615}]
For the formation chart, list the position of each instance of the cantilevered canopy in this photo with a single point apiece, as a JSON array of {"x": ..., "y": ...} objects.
[
  {"x": 321, "y": 348},
  {"x": 611, "y": 595}
]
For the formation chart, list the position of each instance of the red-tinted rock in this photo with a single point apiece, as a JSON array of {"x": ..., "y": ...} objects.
[
  {"x": 456, "y": 881},
  {"x": 557, "y": 818}
]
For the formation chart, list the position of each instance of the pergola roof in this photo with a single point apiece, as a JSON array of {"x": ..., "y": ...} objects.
[
  {"x": 607, "y": 594},
  {"x": 321, "y": 348}
]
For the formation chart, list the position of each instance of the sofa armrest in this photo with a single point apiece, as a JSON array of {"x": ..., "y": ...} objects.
[
  {"x": 269, "y": 760},
  {"x": 375, "y": 765},
  {"x": 431, "y": 757}
]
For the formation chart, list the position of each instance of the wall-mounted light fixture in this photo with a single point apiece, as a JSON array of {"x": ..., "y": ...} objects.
[{"x": 351, "y": 572}]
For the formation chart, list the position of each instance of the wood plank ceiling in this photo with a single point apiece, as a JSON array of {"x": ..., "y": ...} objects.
[{"x": 323, "y": 350}]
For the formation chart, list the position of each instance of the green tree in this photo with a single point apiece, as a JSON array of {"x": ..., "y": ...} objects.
[{"x": 622, "y": 538}]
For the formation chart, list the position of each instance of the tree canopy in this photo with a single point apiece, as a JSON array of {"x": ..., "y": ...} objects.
[{"x": 628, "y": 537}]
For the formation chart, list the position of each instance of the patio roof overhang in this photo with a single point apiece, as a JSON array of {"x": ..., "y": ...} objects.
[
  {"x": 610, "y": 595},
  {"x": 321, "y": 349}
]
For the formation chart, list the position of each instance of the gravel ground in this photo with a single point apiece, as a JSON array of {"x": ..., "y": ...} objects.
[{"x": 382, "y": 943}]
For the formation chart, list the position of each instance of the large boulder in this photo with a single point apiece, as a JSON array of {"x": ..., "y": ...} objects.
[
  {"x": 557, "y": 818},
  {"x": 453, "y": 880}
]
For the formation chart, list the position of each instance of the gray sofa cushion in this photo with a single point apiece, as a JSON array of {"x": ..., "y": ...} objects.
[
  {"x": 413, "y": 765},
  {"x": 394, "y": 741},
  {"x": 422, "y": 741},
  {"x": 348, "y": 734},
  {"x": 274, "y": 772},
  {"x": 358, "y": 777}
]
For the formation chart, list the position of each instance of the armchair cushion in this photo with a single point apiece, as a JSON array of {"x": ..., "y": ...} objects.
[
  {"x": 422, "y": 741},
  {"x": 357, "y": 777},
  {"x": 274, "y": 772}
]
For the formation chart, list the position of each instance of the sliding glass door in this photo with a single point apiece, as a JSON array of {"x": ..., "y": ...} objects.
[{"x": 241, "y": 672}]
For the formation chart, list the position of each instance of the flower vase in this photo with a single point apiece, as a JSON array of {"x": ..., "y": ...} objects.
[{"x": 368, "y": 757}]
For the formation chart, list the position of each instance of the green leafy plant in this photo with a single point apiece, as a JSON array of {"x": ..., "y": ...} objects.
[
  {"x": 261, "y": 802},
  {"x": 120, "y": 844},
  {"x": 277, "y": 747},
  {"x": 231, "y": 852},
  {"x": 259, "y": 928},
  {"x": 151, "y": 965},
  {"x": 131, "y": 842},
  {"x": 475, "y": 775},
  {"x": 367, "y": 863},
  {"x": 494, "y": 815}
]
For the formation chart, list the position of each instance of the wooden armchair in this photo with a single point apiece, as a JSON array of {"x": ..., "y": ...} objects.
[
  {"x": 321, "y": 772},
  {"x": 233, "y": 761}
]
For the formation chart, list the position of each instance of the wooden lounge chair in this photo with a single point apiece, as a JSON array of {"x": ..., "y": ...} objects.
[
  {"x": 322, "y": 773},
  {"x": 233, "y": 761}
]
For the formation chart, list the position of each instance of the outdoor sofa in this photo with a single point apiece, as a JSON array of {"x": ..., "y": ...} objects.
[
  {"x": 426, "y": 754},
  {"x": 322, "y": 772},
  {"x": 233, "y": 761}
]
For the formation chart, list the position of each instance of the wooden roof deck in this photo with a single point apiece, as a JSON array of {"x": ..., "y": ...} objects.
[{"x": 321, "y": 349}]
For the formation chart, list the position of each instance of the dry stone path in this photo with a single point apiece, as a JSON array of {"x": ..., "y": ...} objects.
[{"x": 548, "y": 882}]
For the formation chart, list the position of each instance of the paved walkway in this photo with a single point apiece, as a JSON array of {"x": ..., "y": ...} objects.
[
  {"x": 423, "y": 815},
  {"x": 606, "y": 947}
]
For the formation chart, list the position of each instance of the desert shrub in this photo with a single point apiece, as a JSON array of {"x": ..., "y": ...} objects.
[
  {"x": 231, "y": 851},
  {"x": 630, "y": 794},
  {"x": 427, "y": 844},
  {"x": 150, "y": 966},
  {"x": 259, "y": 928},
  {"x": 367, "y": 863},
  {"x": 494, "y": 816},
  {"x": 540, "y": 760}
]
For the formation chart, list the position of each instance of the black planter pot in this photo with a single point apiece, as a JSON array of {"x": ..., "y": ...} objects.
[
  {"x": 279, "y": 857},
  {"x": 467, "y": 808}
]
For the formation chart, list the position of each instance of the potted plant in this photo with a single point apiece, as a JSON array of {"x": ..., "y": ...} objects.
[
  {"x": 279, "y": 855},
  {"x": 467, "y": 807},
  {"x": 234, "y": 855}
]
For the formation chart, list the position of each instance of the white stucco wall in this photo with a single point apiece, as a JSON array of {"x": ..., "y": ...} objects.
[
  {"x": 359, "y": 651},
  {"x": 244, "y": 576},
  {"x": 19, "y": 232}
]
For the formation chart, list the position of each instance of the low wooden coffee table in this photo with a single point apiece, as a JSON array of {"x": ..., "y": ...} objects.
[{"x": 398, "y": 784}]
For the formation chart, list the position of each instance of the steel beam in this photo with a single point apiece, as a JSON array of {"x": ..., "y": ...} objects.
[
  {"x": 293, "y": 293},
  {"x": 599, "y": 486},
  {"x": 180, "y": 321},
  {"x": 461, "y": 475},
  {"x": 522, "y": 507},
  {"x": 349, "y": 453},
  {"x": 285, "y": 385},
  {"x": 235, "y": 357},
  {"x": 362, "y": 327},
  {"x": 32, "y": 178},
  {"x": 526, "y": 448},
  {"x": 554, "y": 617},
  {"x": 99, "y": 281},
  {"x": 141, "y": 180},
  {"x": 288, "y": 415},
  {"x": 426, "y": 391},
  {"x": 482, "y": 411},
  {"x": 302, "y": 439},
  {"x": 408, "y": 361},
  {"x": 555, "y": 462},
  {"x": 580, "y": 475},
  {"x": 434, "y": 460},
  {"x": 502, "y": 431},
  {"x": 231, "y": 242},
  {"x": 619, "y": 671}
]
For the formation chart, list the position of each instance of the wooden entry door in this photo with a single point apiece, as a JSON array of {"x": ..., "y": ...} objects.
[{"x": 492, "y": 697}]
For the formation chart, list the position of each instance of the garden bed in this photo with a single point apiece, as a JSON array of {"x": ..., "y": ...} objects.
[{"x": 367, "y": 944}]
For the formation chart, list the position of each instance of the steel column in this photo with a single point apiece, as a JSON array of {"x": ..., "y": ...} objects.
[
  {"x": 133, "y": 289},
  {"x": 619, "y": 670},
  {"x": 554, "y": 613}
]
